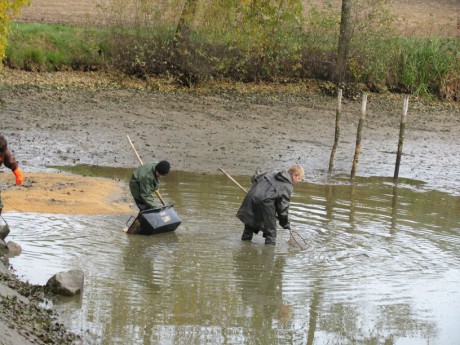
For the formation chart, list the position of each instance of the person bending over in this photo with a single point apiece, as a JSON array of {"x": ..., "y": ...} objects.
[
  {"x": 268, "y": 200},
  {"x": 144, "y": 181}
]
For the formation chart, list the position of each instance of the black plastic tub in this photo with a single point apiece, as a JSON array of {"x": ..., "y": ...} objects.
[{"x": 154, "y": 221}]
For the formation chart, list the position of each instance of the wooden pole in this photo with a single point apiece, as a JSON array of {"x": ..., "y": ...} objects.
[
  {"x": 358, "y": 136},
  {"x": 402, "y": 128},
  {"x": 337, "y": 130},
  {"x": 394, "y": 210},
  {"x": 232, "y": 179},
  {"x": 140, "y": 161},
  {"x": 135, "y": 151}
]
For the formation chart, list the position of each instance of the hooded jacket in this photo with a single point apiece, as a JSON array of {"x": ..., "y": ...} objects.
[
  {"x": 268, "y": 199},
  {"x": 143, "y": 183}
]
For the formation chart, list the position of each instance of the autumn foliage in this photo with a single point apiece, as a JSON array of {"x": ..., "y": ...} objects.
[{"x": 8, "y": 10}]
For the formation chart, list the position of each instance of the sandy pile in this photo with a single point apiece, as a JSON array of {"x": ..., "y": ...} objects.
[{"x": 64, "y": 193}]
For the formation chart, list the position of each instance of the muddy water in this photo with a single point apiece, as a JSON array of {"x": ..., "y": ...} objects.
[{"x": 370, "y": 263}]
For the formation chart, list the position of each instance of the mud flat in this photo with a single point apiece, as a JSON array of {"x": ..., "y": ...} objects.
[{"x": 83, "y": 118}]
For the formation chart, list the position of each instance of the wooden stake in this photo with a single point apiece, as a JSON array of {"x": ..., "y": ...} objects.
[
  {"x": 337, "y": 129},
  {"x": 358, "y": 136},
  {"x": 402, "y": 127}
]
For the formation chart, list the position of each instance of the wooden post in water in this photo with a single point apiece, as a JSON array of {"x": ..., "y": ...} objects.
[
  {"x": 402, "y": 127},
  {"x": 337, "y": 130},
  {"x": 358, "y": 136}
]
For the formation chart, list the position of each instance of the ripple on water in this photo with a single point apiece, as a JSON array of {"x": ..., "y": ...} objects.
[{"x": 365, "y": 254}]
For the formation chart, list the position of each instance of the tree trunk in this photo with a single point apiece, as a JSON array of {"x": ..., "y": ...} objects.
[
  {"x": 344, "y": 39},
  {"x": 188, "y": 13}
]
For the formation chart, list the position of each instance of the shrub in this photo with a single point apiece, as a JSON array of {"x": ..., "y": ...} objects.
[{"x": 8, "y": 10}]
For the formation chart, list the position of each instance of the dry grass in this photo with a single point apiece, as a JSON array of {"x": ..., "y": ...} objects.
[{"x": 414, "y": 16}]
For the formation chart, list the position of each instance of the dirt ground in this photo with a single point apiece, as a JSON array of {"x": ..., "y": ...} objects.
[
  {"x": 73, "y": 118},
  {"x": 413, "y": 16}
]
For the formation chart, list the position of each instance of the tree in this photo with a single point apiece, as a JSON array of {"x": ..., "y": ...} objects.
[
  {"x": 9, "y": 9},
  {"x": 187, "y": 16},
  {"x": 344, "y": 40}
]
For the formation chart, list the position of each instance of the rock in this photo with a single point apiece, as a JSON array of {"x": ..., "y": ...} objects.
[
  {"x": 3, "y": 247},
  {"x": 4, "y": 230},
  {"x": 13, "y": 248},
  {"x": 3, "y": 269},
  {"x": 68, "y": 283},
  {"x": 11, "y": 293}
]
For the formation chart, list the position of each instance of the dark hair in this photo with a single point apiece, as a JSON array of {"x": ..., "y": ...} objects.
[
  {"x": 162, "y": 168},
  {"x": 3, "y": 144}
]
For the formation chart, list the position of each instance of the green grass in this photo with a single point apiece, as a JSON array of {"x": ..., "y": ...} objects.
[
  {"x": 420, "y": 66},
  {"x": 42, "y": 47},
  {"x": 425, "y": 64}
]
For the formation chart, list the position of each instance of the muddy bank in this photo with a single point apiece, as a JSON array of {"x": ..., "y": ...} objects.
[
  {"x": 77, "y": 118},
  {"x": 24, "y": 319}
]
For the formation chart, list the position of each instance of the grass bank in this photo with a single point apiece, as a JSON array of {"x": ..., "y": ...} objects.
[
  {"x": 43, "y": 47},
  {"x": 427, "y": 67}
]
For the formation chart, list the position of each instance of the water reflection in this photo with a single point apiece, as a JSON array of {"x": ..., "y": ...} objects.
[
  {"x": 258, "y": 272},
  {"x": 380, "y": 265}
]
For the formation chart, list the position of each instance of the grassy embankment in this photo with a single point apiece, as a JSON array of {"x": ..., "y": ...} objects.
[{"x": 275, "y": 52}]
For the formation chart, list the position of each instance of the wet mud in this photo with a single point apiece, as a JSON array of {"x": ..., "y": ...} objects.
[
  {"x": 77, "y": 118},
  {"x": 80, "y": 120}
]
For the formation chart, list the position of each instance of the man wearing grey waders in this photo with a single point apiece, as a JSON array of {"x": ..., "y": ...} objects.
[
  {"x": 144, "y": 181},
  {"x": 268, "y": 199}
]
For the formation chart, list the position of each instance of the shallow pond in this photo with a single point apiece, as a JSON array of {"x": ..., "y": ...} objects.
[{"x": 369, "y": 263}]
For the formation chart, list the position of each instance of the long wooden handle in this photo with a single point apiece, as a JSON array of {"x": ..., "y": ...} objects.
[
  {"x": 159, "y": 197},
  {"x": 231, "y": 178},
  {"x": 140, "y": 161},
  {"x": 135, "y": 151}
]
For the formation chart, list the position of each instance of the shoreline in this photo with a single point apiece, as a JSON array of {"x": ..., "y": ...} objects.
[
  {"x": 23, "y": 318},
  {"x": 240, "y": 127},
  {"x": 75, "y": 118}
]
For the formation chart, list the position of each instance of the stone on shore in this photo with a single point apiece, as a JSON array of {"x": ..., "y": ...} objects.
[
  {"x": 68, "y": 283},
  {"x": 13, "y": 248},
  {"x": 3, "y": 246},
  {"x": 4, "y": 231},
  {"x": 3, "y": 269}
]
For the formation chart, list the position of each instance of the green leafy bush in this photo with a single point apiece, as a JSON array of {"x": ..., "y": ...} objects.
[{"x": 250, "y": 41}]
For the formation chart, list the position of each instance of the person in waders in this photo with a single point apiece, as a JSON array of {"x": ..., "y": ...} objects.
[
  {"x": 144, "y": 181},
  {"x": 7, "y": 159},
  {"x": 268, "y": 200}
]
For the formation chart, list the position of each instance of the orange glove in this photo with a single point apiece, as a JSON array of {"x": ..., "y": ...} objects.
[{"x": 19, "y": 176}]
